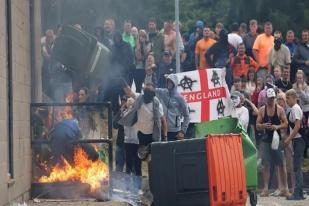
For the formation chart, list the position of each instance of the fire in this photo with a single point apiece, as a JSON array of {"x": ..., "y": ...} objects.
[
  {"x": 67, "y": 112},
  {"x": 83, "y": 170}
]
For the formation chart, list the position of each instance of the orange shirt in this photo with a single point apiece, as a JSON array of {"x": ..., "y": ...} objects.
[
  {"x": 201, "y": 48},
  {"x": 241, "y": 65},
  {"x": 263, "y": 44}
]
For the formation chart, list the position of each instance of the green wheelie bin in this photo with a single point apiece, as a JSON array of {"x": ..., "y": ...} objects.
[{"x": 232, "y": 125}]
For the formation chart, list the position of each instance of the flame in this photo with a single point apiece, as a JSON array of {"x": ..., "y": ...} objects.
[
  {"x": 83, "y": 170},
  {"x": 67, "y": 112},
  {"x": 69, "y": 98}
]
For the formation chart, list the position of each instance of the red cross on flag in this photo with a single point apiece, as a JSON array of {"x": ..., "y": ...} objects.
[{"x": 206, "y": 93}]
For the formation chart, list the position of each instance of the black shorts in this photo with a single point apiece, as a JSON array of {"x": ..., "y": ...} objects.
[
  {"x": 144, "y": 139},
  {"x": 270, "y": 156}
]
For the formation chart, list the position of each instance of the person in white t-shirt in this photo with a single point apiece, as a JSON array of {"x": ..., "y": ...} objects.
[
  {"x": 146, "y": 115},
  {"x": 234, "y": 38},
  {"x": 131, "y": 143},
  {"x": 295, "y": 119},
  {"x": 238, "y": 110}
]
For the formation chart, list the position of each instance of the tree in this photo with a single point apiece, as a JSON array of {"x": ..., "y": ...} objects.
[{"x": 285, "y": 14}]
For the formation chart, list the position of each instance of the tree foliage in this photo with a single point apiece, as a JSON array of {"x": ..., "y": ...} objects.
[{"x": 285, "y": 14}]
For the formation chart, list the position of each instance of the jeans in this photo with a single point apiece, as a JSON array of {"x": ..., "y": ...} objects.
[
  {"x": 298, "y": 159},
  {"x": 133, "y": 163},
  {"x": 144, "y": 139},
  {"x": 120, "y": 158}
]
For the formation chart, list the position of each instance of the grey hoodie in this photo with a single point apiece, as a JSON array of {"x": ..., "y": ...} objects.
[{"x": 174, "y": 107}]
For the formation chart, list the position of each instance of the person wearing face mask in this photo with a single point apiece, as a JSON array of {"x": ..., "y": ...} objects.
[
  {"x": 146, "y": 115},
  {"x": 175, "y": 109},
  {"x": 279, "y": 55},
  {"x": 238, "y": 110}
]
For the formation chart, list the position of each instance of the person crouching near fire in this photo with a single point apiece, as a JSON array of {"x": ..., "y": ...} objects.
[{"x": 147, "y": 116}]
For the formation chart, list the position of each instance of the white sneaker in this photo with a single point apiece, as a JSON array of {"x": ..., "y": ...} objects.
[{"x": 276, "y": 193}]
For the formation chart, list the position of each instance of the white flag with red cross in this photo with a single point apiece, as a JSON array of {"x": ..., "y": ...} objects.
[{"x": 206, "y": 93}]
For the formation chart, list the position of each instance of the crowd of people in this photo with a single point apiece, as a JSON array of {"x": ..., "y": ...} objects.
[{"x": 266, "y": 73}]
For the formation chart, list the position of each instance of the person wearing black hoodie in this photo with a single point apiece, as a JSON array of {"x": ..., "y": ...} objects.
[
  {"x": 122, "y": 64},
  {"x": 122, "y": 58},
  {"x": 218, "y": 56}
]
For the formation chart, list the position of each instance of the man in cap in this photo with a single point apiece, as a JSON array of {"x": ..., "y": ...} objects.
[
  {"x": 271, "y": 118},
  {"x": 166, "y": 67}
]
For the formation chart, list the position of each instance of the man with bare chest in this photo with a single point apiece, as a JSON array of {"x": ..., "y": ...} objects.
[{"x": 271, "y": 117}]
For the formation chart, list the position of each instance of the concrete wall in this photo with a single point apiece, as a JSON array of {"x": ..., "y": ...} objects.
[{"x": 21, "y": 73}]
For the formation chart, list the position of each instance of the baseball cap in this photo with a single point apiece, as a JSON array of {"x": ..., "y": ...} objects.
[
  {"x": 236, "y": 98},
  {"x": 236, "y": 94},
  {"x": 270, "y": 93},
  {"x": 199, "y": 24}
]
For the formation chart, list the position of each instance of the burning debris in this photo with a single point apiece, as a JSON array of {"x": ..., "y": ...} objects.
[
  {"x": 67, "y": 165},
  {"x": 84, "y": 170}
]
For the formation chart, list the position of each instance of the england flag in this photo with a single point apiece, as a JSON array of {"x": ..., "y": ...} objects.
[{"x": 206, "y": 93}]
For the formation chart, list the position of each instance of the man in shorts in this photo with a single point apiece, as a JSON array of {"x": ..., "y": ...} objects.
[{"x": 271, "y": 117}]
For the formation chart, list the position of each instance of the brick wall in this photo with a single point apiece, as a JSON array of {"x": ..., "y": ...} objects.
[{"x": 21, "y": 74}]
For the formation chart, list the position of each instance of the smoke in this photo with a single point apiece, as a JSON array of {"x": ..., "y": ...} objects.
[
  {"x": 125, "y": 188},
  {"x": 105, "y": 78}
]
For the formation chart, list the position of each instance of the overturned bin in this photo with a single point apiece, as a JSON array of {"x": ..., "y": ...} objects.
[
  {"x": 179, "y": 171},
  {"x": 82, "y": 53},
  {"x": 232, "y": 125}
]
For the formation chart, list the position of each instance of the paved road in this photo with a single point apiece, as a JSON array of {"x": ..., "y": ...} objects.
[
  {"x": 76, "y": 203},
  {"x": 265, "y": 201},
  {"x": 276, "y": 201}
]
